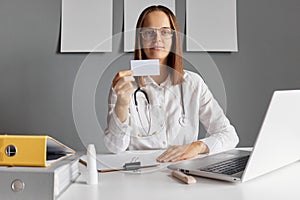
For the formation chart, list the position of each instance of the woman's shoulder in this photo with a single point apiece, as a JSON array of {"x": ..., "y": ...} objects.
[{"x": 192, "y": 78}]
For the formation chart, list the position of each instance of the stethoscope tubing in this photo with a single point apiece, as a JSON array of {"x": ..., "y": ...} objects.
[{"x": 182, "y": 120}]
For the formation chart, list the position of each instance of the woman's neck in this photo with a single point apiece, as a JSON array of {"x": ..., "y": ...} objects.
[{"x": 164, "y": 72}]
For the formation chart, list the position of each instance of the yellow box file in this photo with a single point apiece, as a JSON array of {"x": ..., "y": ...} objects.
[{"x": 31, "y": 150}]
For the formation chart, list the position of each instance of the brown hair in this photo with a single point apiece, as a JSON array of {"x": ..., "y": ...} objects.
[{"x": 175, "y": 56}]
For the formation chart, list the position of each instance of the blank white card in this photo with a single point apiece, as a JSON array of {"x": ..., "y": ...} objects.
[
  {"x": 211, "y": 25},
  {"x": 86, "y": 26}
]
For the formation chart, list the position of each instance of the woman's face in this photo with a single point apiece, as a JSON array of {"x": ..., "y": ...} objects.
[{"x": 157, "y": 38}]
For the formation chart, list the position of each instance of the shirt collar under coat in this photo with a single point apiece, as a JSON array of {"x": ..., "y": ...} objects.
[{"x": 167, "y": 83}]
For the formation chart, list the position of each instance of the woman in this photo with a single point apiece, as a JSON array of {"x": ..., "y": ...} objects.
[{"x": 178, "y": 99}]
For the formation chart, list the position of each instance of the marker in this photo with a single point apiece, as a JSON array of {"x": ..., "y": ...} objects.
[
  {"x": 183, "y": 177},
  {"x": 92, "y": 175}
]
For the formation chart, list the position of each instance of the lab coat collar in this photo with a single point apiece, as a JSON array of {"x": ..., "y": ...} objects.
[{"x": 166, "y": 83}]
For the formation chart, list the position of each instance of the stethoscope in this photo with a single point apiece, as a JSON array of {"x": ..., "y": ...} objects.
[{"x": 182, "y": 119}]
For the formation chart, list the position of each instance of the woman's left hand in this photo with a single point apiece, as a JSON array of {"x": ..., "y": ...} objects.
[{"x": 183, "y": 152}]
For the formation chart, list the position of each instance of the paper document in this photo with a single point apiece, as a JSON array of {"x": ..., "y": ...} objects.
[
  {"x": 86, "y": 25},
  {"x": 211, "y": 25},
  {"x": 117, "y": 161},
  {"x": 145, "y": 67}
]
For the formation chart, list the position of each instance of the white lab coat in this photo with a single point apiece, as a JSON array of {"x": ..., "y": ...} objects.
[{"x": 165, "y": 112}]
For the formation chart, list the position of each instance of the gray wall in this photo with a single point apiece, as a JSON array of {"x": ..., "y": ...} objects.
[{"x": 36, "y": 81}]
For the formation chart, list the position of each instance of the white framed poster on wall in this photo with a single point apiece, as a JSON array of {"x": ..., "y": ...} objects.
[{"x": 211, "y": 25}]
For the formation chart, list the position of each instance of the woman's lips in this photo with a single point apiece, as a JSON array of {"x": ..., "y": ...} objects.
[{"x": 158, "y": 48}]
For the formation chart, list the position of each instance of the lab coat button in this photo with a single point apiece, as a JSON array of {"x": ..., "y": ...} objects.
[{"x": 164, "y": 143}]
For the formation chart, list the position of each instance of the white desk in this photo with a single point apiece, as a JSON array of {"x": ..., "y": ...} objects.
[{"x": 281, "y": 184}]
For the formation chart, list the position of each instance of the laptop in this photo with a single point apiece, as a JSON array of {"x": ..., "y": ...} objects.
[{"x": 276, "y": 146}]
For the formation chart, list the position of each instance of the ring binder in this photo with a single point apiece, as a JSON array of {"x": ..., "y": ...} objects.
[
  {"x": 31, "y": 150},
  {"x": 46, "y": 183}
]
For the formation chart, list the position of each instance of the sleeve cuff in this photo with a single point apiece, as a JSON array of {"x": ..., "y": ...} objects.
[
  {"x": 213, "y": 144},
  {"x": 118, "y": 126}
]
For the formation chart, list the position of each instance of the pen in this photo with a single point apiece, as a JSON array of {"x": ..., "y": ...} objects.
[{"x": 116, "y": 169}]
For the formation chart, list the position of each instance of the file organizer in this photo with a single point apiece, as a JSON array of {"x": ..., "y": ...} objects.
[
  {"x": 45, "y": 183},
  {"x": 31, "y": 150}
]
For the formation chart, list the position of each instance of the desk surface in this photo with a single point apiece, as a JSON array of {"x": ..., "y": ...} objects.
[{"x": 281, "y": 184}]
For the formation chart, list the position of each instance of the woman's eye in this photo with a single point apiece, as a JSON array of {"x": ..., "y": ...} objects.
[
  {"x": 149, "y": 32},
  {"x": 164, "y": 33}
]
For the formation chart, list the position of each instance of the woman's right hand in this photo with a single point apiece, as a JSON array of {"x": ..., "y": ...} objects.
[{"x": 122, "y": 85}]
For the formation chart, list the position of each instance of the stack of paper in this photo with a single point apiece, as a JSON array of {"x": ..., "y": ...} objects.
[{"x": 64, "y": 176}]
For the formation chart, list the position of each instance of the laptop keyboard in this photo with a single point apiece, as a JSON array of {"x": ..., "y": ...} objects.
[{"x": 228, "y": 167}]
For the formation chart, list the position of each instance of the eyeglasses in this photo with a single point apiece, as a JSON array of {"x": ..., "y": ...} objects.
[{"x": 150, "y": 33}]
